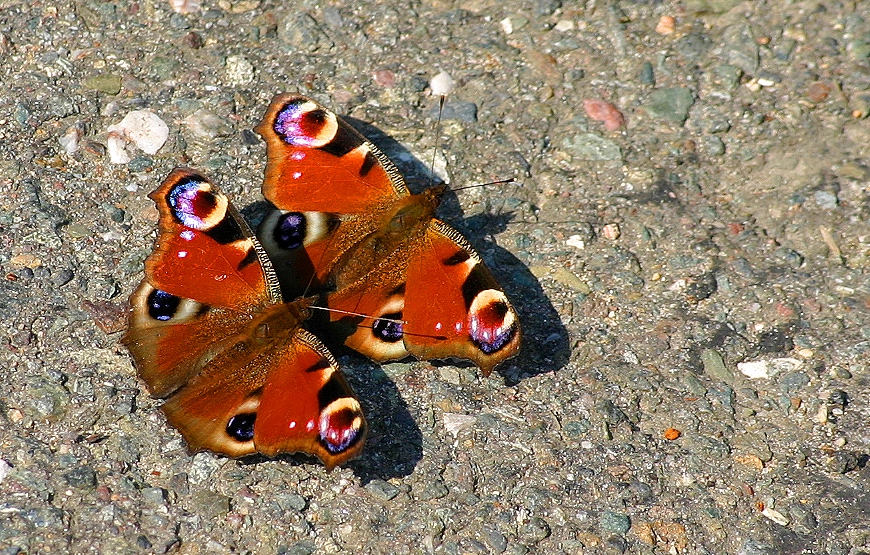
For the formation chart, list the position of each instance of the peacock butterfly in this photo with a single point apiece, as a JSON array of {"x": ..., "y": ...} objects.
[
  {"x": 346, "y": 224},
  {"x": 211, "y": 335}
]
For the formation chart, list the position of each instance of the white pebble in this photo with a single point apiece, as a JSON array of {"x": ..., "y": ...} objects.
[
  {"x": 441, "y": 84},
  {"x": 785, "y": 364},
  {"x": 758, "y": 369},
  {"x": 71, "y": 139},
  {"x": 239, "y": 70},
  {"x": 754, "y": 370},
  {"x": 5, "y": 467},
  {"x": 111, "y": 236},
  {"x": 143, "y": 128},
  {"x": 207, "y": 125},
  {"x": 184, "y": 6},
  {"x": 775, "y": 516},
  {"x": 455, "y": 423},
  {"x": 507, "y": 25},
  {"x": 115, "y": 145},
  {"x": 576, "y": 241}
]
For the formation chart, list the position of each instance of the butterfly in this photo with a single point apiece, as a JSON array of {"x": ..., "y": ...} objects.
[
  {"x": 211, "y": 334},
  {"x": 347, "y": 225}
]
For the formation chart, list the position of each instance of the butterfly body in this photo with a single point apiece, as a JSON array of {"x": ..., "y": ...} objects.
[
  {"x": 211, "y": 335},
  {"x": 373, "y": 248}
]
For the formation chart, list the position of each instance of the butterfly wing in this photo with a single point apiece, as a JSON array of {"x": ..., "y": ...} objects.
[
  {"x": 210, "y": 334},
  {"x": 203, "y": 277},
  {"x": 318, "y": 162},
  {"x": 449, "y": 305},
  {"x": 463, "y": 304},
  {"x": 329, "y": 184},
  {"x": 347, "y": 217}
]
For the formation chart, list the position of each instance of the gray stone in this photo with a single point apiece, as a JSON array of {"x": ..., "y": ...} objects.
[
  {"x": 753, "y": 547},
  {"x": 614, "y": 523},
  {"x": 495, "y": 540},
  {"x": 303, "y": 32},
  {"x": 826, "y": 199},
  {"x": 592, "y": 147},
  {"x": 741, "y": 50},
  {"x": 670, "y": 104},
  {"x": 715, "y": 367},
  {"x": 535, "y": 530},
  {"x": 82, "y": 477},
  {"x": 433, "y": 490},
  {"x": 793, "y": 382},
  {"x": 382, "y": 490},
  {"x": 458, "y": 111}
]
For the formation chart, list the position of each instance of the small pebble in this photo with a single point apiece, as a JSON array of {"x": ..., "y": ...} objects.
[
  {"x": 714, "y": 146},
  {"x": 647, "y": 74},
  {"x": 458, "y": 111},
  {"x": 82, "y": 477},
  {"x": 193, "y": 40},
  {"x": 382, "y": 489},
  {"x": 184, "y": 7},
  {"x": 5, "y": 468},
  {"x": 109, "y": 317},
  {"x": 591, "y": 147},
  {"x": 107, "y": 83},
  {"x": 384, "y": 78},
  {"x": 71, "y": 139},
  {"x": 714, "y": 366},
  {"x": 576, "y": 241},
  {"x": 775, "y": 516},
  {"x": 205, "y": 124},
  {"x": 455, "y": 423},
  {"x": 614, "y": 523},
  {"x": 611, "y": 231},
  {"x": 793, "y": 382},
  {"x": 818, "y": 92},
  {"x": 140, "y": 164},
  {"x": 564, "y": 25},
  {"x": 433, "y": 490},
  {"x": 239, "y": 70},
  {"x": 507, "y": 25},
  {"x": 666, "y": 25},
  {"x": 495, "y": 539},
  {"x": 826, "y": 199},
  {"x": 535, "y": 530},
  {"x": 605, "y": 112},
  {"x": 670, "y": 104},
  {"x": 300, "y": 30},
  {"x": 143, "y": 128}
]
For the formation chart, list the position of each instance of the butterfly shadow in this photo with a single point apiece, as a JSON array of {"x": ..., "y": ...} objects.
[
  {"x": 546, "y": 344},
  {"x": 395, "y": 442}
]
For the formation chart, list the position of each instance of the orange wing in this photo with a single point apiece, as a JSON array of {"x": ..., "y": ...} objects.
[
  {"x": 210, "y": 333},
  {"x": 347, "y": 226}
]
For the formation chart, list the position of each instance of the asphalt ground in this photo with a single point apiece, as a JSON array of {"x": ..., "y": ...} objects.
[{"x": 691, "y": 280}]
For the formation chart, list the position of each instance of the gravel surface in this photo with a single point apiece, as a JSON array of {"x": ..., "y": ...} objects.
[{"x": 692, "y": 281}]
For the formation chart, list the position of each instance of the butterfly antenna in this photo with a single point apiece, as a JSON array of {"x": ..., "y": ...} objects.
[
  {"x": 360, "y": 314},
  {"x": 442, "y": 85},
  {"x": 487, "y": 184},
  {"x": 441, "y": 100}
]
